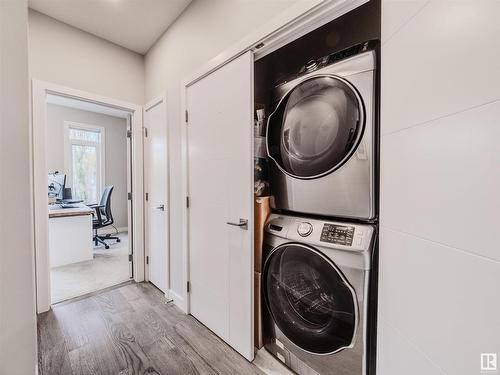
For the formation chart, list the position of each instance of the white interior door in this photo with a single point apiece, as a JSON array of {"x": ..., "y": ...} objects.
[
  {"x": 156, "y": 173},
  {"x": 220, "y": 179}
]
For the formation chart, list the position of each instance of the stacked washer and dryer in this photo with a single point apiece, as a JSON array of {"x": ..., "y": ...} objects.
[{"x": 319, "y": 241}]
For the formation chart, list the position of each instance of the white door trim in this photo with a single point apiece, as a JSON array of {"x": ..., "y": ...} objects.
[
  {"x": 40, "y": 89},
  {"x": 153, "y": 103},
  {"x": 182, "y": 300},
  {"x": 289, "y": 25}
]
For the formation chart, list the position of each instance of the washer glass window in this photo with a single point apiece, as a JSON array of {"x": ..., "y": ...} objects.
[
  {"x": 309, "y": 299},
  {"x": 316, "y": 127}
]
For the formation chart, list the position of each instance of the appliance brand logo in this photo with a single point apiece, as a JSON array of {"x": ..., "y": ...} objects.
[{"x": 488, "y": 363}]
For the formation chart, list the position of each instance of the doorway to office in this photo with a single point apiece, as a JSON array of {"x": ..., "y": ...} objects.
[
  {"x": 87, "y": 153},
  {"x": 89, "y": 170}
]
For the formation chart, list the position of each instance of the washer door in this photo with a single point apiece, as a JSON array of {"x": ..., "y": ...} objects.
[
  {"x": 316, "y": 127},
  {"x": 310, "y": 300}
]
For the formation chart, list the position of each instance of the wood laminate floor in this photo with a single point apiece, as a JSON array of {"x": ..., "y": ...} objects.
[{"x": 130, "y": 330}]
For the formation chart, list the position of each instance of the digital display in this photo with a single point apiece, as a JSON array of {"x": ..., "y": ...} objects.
[{"x": 337, "y": 234}]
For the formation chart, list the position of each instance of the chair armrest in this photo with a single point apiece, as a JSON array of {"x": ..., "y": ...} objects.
[{"x": 97, "y": 208}]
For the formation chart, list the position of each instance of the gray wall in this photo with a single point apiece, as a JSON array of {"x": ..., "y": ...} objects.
[
  {"x": 68, "y": 56},
  {"x": 115, "y": 150},
  {"x": 17, "y": 289}
]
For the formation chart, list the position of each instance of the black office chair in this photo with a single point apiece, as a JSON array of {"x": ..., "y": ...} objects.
[{"x": 103, "y": 217}]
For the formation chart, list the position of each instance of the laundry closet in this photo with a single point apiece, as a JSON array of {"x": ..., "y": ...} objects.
[{"x": 282, "y": 191}]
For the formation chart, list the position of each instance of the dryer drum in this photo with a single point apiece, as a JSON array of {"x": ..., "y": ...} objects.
[
  {"x": 316, "y": 127},
  {"x": 309, "y": 299}
]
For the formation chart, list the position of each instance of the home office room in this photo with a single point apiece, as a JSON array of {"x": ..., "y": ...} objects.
[{"x": 88, "y": 164}]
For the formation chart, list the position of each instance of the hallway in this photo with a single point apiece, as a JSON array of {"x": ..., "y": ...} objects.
[{"x": 130, "y": 329}]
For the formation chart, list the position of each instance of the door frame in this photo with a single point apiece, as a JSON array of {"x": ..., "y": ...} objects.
[
  {"x": 287, "y": 26},
  {"x": 39, "y": 91},
  {"x": 152, "y": 103}
]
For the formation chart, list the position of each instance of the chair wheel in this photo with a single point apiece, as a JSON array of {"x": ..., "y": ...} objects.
[
  {"x": 106, "y": 247},
  {"x": 118, "y": 240}
]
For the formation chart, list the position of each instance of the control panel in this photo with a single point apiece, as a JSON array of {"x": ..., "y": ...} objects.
[
  {"x": 337, "y": 234},
  {"x": 323, "y": 234}
]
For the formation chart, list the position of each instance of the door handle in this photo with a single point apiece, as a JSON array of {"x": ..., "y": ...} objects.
[
  {"x": 161, "y": 207},
  {"x": 243, "y": 224}
]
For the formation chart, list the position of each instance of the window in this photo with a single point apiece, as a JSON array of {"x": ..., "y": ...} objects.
[{"x": 84, "y": 159}]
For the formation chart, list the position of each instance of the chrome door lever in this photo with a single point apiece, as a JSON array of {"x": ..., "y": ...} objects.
[
  {"x": 243, "y": 224},
  {"x": 161, "y": 207}
]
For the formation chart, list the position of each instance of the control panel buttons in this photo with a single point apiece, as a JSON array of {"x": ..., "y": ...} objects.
[
  {"x": 337, "y": 234},
  {"x": 304, "y": 229}
]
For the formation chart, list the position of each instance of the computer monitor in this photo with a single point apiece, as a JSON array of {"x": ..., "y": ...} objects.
[{"x": 57, "y": 182}]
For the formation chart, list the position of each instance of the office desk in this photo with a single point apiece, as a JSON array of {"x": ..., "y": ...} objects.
[{"x": 70, "y": 234}]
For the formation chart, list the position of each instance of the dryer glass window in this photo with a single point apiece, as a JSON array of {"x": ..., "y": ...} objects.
[
  {"x": 309, "y": 299},
  {"x": 316, "y": 127}
]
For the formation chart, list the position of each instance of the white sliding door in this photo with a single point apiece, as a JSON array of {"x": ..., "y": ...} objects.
[{"x": 220, "y": 179}]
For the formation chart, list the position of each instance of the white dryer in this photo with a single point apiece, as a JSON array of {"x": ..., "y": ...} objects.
[
  {"x": 315, "y": 286},
  {"x": 321, "y": 137}
]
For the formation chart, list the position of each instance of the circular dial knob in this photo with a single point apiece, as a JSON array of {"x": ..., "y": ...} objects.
[{"x": 304, "y": 229}]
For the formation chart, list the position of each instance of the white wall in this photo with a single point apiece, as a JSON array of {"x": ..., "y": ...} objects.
[
  {"x": 115, "y": 130},
  {"x": 17, "y": 303},
  {"x": 439, "y": 305},
  {"x": 203, "y": 30},
  {"x": 70, "y": 57}
]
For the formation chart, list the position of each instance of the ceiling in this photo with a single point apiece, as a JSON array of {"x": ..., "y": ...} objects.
[
  {"x": 86, "y": 106},
  {"x": 133, "y": 24}
]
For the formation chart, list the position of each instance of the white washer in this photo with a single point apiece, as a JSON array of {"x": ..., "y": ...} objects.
[
  {"x": 321, "y": 137},
  {"x": 315, "y": 284}
]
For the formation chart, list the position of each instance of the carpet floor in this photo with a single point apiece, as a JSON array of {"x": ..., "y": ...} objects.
[{"x": 108, "y": 268}]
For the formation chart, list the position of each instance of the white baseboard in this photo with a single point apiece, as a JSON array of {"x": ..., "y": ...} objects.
[
  {"x": 178, "y": 300},
  {"x": 167, "y": 296},
  {"x": 111, "y": 230}
]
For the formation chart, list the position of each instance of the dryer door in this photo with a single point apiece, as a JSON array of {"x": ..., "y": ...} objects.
[
  {"x": 316, "y": 127},
  {"x": 309, "y": 298}
]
